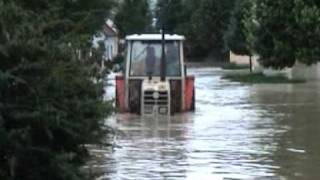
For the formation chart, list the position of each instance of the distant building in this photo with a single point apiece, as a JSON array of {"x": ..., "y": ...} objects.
[
  {"x": 245, "y": 60},
  {"x": 109, "y": 36},
  {"x": 111, "y": 40},
  {"x": 298, "y": 71}
]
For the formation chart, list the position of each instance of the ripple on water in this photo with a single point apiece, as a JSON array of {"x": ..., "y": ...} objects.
[{"x": 237, "y": 132}]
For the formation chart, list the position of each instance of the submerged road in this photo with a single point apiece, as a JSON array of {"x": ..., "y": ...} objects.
[{"x": 238, "y": 131}]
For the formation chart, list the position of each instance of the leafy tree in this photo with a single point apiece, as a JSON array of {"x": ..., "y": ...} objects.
[
  {"x": 275, "y": 33},
  {"x": 170, "y": 14},
  {"x": 133, "y": 17},
  {"x": 307, "y": 35},
  {"x": 203, "y": 22},
  {"x": 250, "y": 25},
  {"x": 175, "y": 15},
  {"x": 285, "y": 32},
  {"x": 209, "y": 22},
  {"x": 50, "y": 107},
  {"x": 186, "y": 27},
  {"x": 235, "y": 37}
]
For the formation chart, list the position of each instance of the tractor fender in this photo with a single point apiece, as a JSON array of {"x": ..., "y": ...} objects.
[
  {"x": 189, "y": 94},
  {"x": 120, "y": 93}
]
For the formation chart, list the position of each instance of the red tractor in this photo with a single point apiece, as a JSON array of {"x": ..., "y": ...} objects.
[{"x": 154, "y": 79}]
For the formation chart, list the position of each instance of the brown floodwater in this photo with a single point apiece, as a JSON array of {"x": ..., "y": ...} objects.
[{"x": 238, "y": 131}]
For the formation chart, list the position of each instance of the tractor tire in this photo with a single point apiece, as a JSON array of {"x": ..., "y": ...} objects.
[{"x": 193, "y": 103}]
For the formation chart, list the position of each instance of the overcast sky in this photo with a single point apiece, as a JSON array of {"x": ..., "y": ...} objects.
[{"x": 152, "y": 3}]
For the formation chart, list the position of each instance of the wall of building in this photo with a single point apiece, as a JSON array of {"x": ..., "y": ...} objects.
[
  {"x": 239, "y": 59},
  {"x": 112, "y": 46},
  {"x": 245, "y": 60},
  {"x": 298, "y": 71},
  {"x": 301, "y": 71}
]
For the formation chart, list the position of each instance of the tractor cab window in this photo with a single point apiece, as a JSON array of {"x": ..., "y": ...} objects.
[{"x": 146, "y": 58}]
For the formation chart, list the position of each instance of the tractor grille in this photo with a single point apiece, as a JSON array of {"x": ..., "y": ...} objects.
[{"x": 158, "y": 105}]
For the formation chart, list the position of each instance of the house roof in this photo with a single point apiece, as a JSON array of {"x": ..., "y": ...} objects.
[
  {"x": 109, "y": 28},
  {"x": 143, "y": 37}
]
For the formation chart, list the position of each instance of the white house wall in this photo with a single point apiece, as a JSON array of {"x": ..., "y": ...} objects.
[
  {"x": 245, "y": 60},
  {"x": 111, "y": 52},
  {"x": 96, "y": 40},
  {"x": 298, "y": 71},
  {"x": 301, "y": 71}
]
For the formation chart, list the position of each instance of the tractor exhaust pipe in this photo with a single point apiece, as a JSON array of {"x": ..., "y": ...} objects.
[{"x": 163, "y": 58}]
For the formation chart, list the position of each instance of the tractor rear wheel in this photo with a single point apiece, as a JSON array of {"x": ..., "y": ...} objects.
[{"x": 193, "y": 103}]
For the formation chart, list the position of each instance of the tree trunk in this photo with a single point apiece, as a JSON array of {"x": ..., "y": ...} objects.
[
  {"x": 12, "y": 166},
  {"x": 250, "y": 59}
]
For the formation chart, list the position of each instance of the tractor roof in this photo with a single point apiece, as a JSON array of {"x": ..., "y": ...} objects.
[{"x": 146, "y": 37}]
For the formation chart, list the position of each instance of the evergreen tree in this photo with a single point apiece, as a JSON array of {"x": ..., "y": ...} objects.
[
  {"x": 50, "y": 107},
  {"x": 133, "y": 17}
]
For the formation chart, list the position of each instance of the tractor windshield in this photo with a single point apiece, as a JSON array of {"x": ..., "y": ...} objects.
[{"x": 146, "y": 58}]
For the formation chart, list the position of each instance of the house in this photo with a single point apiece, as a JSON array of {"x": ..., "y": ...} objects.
[
  {"x": 109, "y": 37},
  {"x": 111, "y": 40},
  {"x": 245, "y": 60}
]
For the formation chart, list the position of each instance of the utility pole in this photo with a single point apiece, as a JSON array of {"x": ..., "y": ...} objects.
[
  {"x": 250, "y": 62},
  {"x": 163, "y": 56},
  {"x": 163, "y": 43}
]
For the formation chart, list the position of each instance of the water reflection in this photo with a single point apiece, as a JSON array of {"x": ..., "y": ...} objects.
[
  {"x": 237, "y": 132},
  {"x": 151, "y": 148},
  {"x": 298, "y": 149}
]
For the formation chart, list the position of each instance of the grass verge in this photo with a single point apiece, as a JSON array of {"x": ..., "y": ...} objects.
[
  {"x": 259, "y": 78},
  {"x": 233, "y": 66}
]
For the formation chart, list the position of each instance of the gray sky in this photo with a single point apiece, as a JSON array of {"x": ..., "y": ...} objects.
[{"x": 152, "y": 3}]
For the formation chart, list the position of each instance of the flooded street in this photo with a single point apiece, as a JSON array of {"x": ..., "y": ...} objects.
[{"x": 238, "y": 131}]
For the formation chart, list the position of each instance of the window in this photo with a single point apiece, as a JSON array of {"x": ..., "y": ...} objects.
[{"x": 146, "y": 58}]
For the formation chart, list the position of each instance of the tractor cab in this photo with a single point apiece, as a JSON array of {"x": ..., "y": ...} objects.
[{"x": 154, "y": 78}]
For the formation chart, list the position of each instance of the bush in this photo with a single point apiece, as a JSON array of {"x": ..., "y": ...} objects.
[
  {"x": 233, "y": 66},
  {"x": 260, "y": 78}
]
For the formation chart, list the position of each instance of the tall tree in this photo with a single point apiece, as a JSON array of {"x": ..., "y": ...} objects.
[
  {"x": 275, "y": 33},
  {"x": 235, "y": 37},
  {"x": 169, "y": 14},
  {"x": 50, "y": 107},
  {"x": 133, "y": 16},
  {"x": 307, "y": 13},
  {"x": 209, "y": 22},
  {"x": 285, "y": 32},
  {"x": 203, "y": 22}
]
